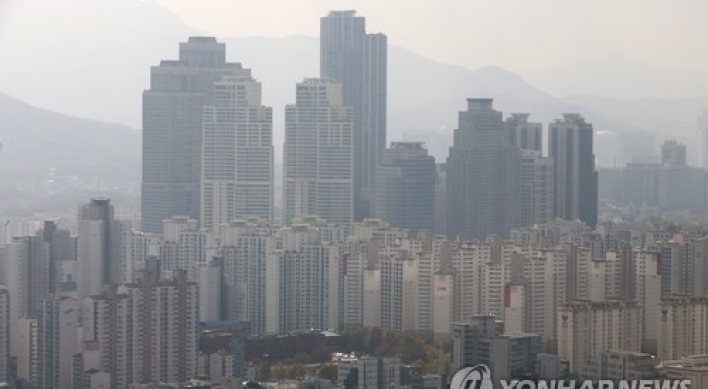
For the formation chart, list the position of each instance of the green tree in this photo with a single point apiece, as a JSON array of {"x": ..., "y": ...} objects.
[
  {"x": 302, "y": 357},
  {"x": 328, "y": 371},
  {"x": 264, "y": 372},
  {"x": 298, "y": 371},
  {"x": 279, "y": 372},
  {"x": 374, "y": 338}
]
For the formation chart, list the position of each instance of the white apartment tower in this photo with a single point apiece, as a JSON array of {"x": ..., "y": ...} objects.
[
  {"x": 683, "y": 327},
  {"x": 210, "y": 291},
  {"x": 363, "y": 247},
  {"x": 358, "y": 61},
  {"x": 244, "y": 246},
  {"x": 27, "y": 352},
  {"x": 303, "y": 279},
  {"x": 146, "y": 331},
  {"x": 536, "y": 197},
  {"x": 237, "y": 154},
  {"x": 443, "y": 305},
  {"x": 399, "y": 290},
  {"x": 647, "y": 292},
  {"x": 318, "y": 154},
  {"x": 585, "y": 329},
  {"x": 27, "y": 267},
  {"x": 185, "y": 246},
  {"x": 537, "y": 287},
  {"x": 57, "y": 340}
]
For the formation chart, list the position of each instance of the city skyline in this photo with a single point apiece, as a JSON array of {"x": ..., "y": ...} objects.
[
  {"x": 384, "y": 265},
  {"x": 449, "y": 19}
]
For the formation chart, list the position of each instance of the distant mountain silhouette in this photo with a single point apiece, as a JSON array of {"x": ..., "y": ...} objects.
[
  {"x": 622, "y": 78},
  {"x": 38, "y": 144}
]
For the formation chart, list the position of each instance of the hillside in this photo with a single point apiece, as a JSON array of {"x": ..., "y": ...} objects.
[{"x": 39, "y": 145}]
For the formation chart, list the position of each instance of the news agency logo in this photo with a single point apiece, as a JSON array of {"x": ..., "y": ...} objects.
[
  {"x": 480, "y": 377},
  {"x": 476, "y": 377}
]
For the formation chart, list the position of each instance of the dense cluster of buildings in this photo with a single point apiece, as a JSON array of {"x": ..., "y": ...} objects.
[
  {"x": 208, "y": 150},
  {"x": 559, "y": 289},
  {"x": 498, "y": 251},
  {"x": 655, "y": 187}
]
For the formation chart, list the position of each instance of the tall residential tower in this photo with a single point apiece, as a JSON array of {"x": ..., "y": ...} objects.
[
  {"x": 172, "y": 129},
  {"x": 318, "y": 156},
  {"x": 405, "y": 195},
  {"x": 570, "y": 143},
  {"x": 482, "y": 175},
  {"x": 237, "y": 154},
  {"x": 358, "y": 61}
]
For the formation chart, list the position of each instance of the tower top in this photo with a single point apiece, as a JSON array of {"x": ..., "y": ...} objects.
[
  {"x": 477, "y": 104},
  {"x": 342, "y": 14}
]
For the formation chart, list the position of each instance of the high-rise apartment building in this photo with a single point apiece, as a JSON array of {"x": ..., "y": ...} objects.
[
  {"x": 536, "y": 172},
  {"x": 398, "y": 290},
  {"x": 570, "y": 143},
  {"x": 146, "y": 331},
  {"x": 4, "y": 335},
  {"x": 103, "y": 248},
  {"x": 32, "y": 267},
  {"x": 172, "y": 129},
  {"x": 440, "y": 199},
  {"x": 536, "y": 188},
  {"x": 358, "y": 61},
  {"x": 585, "y": 329},
  {"x": 482, "y": 175},
  {"x": 405, "y": 187},
  {"x": 26, "y": 350},
  {"x": 647, "y": 291},
  {"x": 683, "y": 327},
  {"x": 538, "y": 286},
  {"x": 185, "y": 246},
  {"x": 237, "y": 154},
  {"x": 243, "y": 251},
  {"x": 210, "y": 291},
  {"x": 362, "y": 256},
  {"x": 303, "y": 279},
  {"x": 319, "y": 154},
  {"x": 62, "y": 248},
  {"x": 57, "y": 340},
  {"x": 27, "y": 264},
  {"x": 523, "y": 134}
]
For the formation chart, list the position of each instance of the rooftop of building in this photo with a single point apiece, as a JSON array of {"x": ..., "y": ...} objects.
[
  {"x": 693, "y": 362},
  {"x": 342, "y": 14},
  {"x": 202, "y": 39}
]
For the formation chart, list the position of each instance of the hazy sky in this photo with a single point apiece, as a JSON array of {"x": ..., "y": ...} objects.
[{"x": 520, "y": 35}]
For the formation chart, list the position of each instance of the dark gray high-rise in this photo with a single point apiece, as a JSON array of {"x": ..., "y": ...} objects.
[
  {"x": 570, "y": 144},
  {"x": 358, "y": 61},
  {"x": 172, "y": 129},
  {"x": 524, "y": 134},
  {"x": 482, "y": 175},
  {"x": 673, "y": 153},
  {"x": 405, "y": 190}
]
